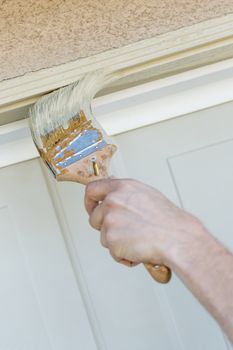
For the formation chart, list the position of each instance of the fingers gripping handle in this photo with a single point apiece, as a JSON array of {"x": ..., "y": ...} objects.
[
  {"x": 80, "y": 172},
  {"x": 160, "y": 273}
]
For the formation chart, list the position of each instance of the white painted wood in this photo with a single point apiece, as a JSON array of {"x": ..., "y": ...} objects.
[
  {"x": 138, "y": 106},
  {"x": 209, "y": 39},
  {"x": 74, "y": 259},
  {"x": 190, "y": 160},
  {"x": 20, "y": 311},
  {"x": 41, "y": 306},
  {"x": 206, "y": 72},
  {"x": 169, "y": 98},
  {"x": 16, "y": 144}
]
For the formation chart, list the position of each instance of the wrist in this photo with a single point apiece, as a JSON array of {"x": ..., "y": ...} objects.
[{"x": 185, "y": 245}]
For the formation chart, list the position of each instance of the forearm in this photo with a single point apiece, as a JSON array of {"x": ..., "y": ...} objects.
[
  {"x": 206, "y": 268},
  {"x": 139, "y": 224}
]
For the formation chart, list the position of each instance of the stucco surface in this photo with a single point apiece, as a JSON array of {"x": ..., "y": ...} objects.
[{"x": 40, "y": 34}]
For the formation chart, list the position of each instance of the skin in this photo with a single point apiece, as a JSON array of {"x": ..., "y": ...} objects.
[{"x": 138, "y": 224}]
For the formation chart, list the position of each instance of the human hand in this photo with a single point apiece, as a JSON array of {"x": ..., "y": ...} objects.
[{"x": 137, "y": 222}]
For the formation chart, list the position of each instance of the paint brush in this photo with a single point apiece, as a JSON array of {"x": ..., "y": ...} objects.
[{"x": 71, "y": 142}]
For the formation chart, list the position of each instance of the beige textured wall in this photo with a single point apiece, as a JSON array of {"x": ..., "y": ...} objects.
[{"x": 43, "y": 33}]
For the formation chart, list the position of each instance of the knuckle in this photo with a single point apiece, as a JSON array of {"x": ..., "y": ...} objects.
[
  {"x": 128, "y": 185},
  {"x": 110, "y": 200},
  {"x": 109, "y": 220},
  {"x": 93, "y": 223},
  {"x": 115, "y": 200},
  {"x": 111, "y": 239},
  {"x": 116, "y": 252},
  {"x": 129, "y": 182},
  {"x": 89, "y": 189}
]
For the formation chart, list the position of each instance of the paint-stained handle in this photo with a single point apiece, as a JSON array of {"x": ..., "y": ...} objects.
[
  {"x": 88, "y": 169},
  {"x": 160, "y": 273}
]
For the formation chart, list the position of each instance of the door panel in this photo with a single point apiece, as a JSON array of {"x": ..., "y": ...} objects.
[
  {"x": 204, "y": 179},
  {"x": 20, "y": 311},
  {"x": 40, "y": 302},
  {"x": 190, "y": 160}
]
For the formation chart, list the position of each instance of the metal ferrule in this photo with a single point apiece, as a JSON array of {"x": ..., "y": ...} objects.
[{"x": 83, "y": 145}]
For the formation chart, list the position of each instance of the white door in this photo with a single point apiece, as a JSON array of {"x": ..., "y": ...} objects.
[
  {"x": 190, "y": 159},
  {"x": 40, "y": 303},
  {"x": 61, "y": 289}
]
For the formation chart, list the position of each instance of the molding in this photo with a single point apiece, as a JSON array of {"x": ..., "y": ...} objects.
[
  {"x": 165, "y": 99},
  {"x": 16, "y": 144},
  {"x": 186, "y": 48},
  {"x": 155, "y": 102}
]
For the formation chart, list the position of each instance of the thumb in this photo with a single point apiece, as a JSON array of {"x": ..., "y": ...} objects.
[{"x": 96, "y": 191}]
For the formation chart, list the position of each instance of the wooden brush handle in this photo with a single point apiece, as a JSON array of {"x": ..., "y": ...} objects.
[{"x": 160, "y": 273}]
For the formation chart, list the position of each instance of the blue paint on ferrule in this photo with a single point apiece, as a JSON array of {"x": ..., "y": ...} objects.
[
  {"x": 81, "y": 146},
  {"x": 82, "y": 154}
]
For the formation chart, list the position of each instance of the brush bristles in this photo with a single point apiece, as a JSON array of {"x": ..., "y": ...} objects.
[{"x": 55, "y": 110}]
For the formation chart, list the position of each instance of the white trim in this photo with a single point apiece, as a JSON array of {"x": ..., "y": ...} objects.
[
  {"x": 206, "y": 72},
  {"x": 169, "y": 98},
  {"x": 155, "y": 101},
  {"x": 204, "y": 38},
  {"x": 16, "y": 144}
]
